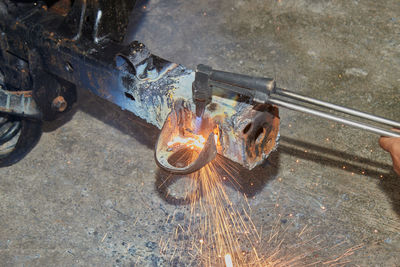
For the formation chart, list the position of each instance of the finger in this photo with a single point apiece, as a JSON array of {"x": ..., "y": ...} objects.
[
  {"x": 397, "y": 170},
  {"x": 386, "y": 143},
  {"x": 396, "y": 159},
  {"x": 396, "y": 164}
]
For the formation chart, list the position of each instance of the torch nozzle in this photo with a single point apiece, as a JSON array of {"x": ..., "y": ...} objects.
[
  {"x": 197, "y": 124},
  {"x": 200, "y": 108}
]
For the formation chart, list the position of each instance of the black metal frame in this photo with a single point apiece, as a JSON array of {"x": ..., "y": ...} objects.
[{"x": 48, "y": 50}]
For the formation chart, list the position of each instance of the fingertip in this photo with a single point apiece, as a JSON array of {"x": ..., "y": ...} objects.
[
  {"x": 397, "y": 170},
  {"x": 384, "y": 142}
]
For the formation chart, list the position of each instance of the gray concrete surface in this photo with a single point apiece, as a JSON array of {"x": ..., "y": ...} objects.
[{"x": 86, "y": 195}]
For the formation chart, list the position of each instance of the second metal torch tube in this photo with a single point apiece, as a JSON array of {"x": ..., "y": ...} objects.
[
  {"x": 352, "y": 123},
  {"x": 284, "y": 92}
]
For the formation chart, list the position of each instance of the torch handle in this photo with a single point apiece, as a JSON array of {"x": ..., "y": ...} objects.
[{"x": 264, "y": 90}]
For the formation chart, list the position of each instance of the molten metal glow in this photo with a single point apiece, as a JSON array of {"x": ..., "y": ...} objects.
[{"x": 195, "y": 141}]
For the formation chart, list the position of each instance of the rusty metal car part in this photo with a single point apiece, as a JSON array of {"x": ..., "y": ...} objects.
[
  {"x": 54, "y": 49},
  {"x": 20, "y": 133},
  {"x": 20, "y": 103},
  {"x": 179, "y": 123},
  {"x": 59, "y": 58},
  {"x": 12, "y": 128},
  {"x": 254, "y": 136},
  {"x": 20, "y": 125}
]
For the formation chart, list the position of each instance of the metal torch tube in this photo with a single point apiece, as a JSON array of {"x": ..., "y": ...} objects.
[
  {"x": 248, "y": 83},
  {"x": 284, "y": 92},
  {"x": 352, "y": 123}
]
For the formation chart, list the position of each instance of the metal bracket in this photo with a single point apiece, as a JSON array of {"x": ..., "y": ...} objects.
[{"x": 20, "y": 103}]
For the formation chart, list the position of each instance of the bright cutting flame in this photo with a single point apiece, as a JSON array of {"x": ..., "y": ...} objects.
[{"x": 196, "y": 141}]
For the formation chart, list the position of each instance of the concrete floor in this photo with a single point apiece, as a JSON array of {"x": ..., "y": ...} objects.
[{"x": 86, "y": 195}]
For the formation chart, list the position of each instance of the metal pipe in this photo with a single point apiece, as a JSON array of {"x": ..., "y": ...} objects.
[
  {"x": 246, "y": 82},
  {"x": 287, "y": 93},
  {"x": 20, "y": 103},
  {"x": 352, "y": 123}
]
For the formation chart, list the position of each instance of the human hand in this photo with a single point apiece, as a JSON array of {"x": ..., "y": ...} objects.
[{"x": 392, "y": 145}]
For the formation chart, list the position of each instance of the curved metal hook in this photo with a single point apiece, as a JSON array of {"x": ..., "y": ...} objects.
[
  {"x": 206, "y": 155},
  {"x": 172, "y": 127}
]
